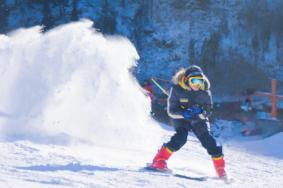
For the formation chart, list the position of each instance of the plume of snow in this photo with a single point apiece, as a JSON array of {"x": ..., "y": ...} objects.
[{"x": 73, "y": 81}]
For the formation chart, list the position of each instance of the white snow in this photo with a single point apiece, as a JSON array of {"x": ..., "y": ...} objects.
[{"x": 72, "y": 115}]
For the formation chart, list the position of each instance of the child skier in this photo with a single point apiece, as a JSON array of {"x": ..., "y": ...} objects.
[{"x": 189, "y": 106}]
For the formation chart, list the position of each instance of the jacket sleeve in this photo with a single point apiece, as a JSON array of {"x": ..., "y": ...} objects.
[
  {"x": 173, "y": 109},
  {"x": 207, "y": 103}
]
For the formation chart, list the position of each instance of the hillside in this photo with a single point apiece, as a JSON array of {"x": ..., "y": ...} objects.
[{"x": 232, "y": 40}]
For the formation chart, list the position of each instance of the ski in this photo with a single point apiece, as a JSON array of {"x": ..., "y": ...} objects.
[
  {"x": 169, "y": 172},
  {"x": 149, "y": 168},
  {"x": 226, "y": 179},
  {"x": 201, "y": 178}
]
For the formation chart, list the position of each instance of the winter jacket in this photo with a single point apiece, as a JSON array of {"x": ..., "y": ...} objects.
[{"x": 181, "y": 98}]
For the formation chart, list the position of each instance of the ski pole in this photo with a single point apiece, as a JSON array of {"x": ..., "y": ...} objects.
[{"x": 159, "y": 86}]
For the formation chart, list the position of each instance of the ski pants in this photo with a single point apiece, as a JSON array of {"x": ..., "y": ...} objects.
[{"x": 200, "y": 129}]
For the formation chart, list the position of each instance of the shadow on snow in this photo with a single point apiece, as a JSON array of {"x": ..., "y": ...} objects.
[{"x": 73, "y": 167}]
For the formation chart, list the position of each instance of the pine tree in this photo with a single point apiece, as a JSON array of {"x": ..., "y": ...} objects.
[
  {"x": 4, "y": 13},
  {"x": 74, "y": 14},
  {"x": 47, "y": 20}
]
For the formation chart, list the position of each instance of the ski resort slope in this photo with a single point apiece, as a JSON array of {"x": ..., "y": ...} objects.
[{"x": 72, "y": 115}]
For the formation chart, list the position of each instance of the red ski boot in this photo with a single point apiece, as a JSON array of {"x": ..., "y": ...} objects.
[
  {"x": 219, "y": 165},
  {"x": 159, "y": 161}
]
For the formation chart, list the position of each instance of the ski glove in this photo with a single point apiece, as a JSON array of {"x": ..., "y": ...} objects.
[
  {"x": 193, "y": 112},
  {"x": 196, "y": 110},
  {"x": 188, "y": 114}
]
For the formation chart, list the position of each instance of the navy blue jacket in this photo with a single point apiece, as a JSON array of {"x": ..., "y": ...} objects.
[{"x": 180, "y": 99}]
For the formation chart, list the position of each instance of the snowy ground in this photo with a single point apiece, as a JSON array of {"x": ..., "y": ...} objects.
[
  {"x": 25, "y": 164},
  {"x": 71, "y": 115}
]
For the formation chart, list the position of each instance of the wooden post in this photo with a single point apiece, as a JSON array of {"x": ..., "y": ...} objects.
[{"x": 273, "y": 99}]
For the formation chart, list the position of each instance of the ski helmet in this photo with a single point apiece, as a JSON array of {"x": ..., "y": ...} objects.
[{"x": 193, "y": 70}]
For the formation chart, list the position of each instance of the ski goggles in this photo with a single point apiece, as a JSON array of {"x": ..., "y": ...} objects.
[{"x": 195, "y": 81}]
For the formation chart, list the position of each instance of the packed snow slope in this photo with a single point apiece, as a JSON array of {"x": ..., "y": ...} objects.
[{"x": 72, "y": 115}]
